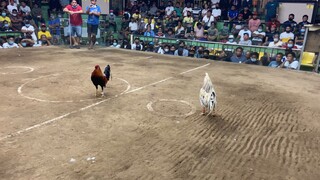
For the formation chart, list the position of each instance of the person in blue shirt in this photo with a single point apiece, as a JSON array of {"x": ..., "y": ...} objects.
[
  {"x": 233, "y": 13},
  {"x": 149, "y": 32},
  {"x": 272, "y": 9},
  {"x": 93, "y": 11}
]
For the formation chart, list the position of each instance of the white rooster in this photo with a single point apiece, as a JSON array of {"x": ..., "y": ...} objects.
[{"x": 207, "y": 96}]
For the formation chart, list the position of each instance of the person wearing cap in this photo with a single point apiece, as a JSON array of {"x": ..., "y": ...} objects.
[
  {"x": 44, "y": 32},
  {"x": 231, "y": 40},
  {"x": 254, "y": 23},
  {"x": 93, "y": 11},
  {"x": 74, "y": 10}
]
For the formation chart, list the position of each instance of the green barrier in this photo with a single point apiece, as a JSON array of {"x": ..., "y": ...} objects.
[{"x": 11, "y": 33}]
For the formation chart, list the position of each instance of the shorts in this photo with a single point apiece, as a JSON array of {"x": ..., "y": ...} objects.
[
  {"x": 92, "y": 29},
  {"x": 75, "y": 30}
]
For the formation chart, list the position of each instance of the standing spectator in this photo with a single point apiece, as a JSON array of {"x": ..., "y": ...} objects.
[
  {"x": 276, "y": 42},
  {"x": 290, "y": 63},
  {"x": 187, "y": 9},
  {"x": 272, "y": 9},
  {"x": 54, "y": 27},
  {"x": 232, "y": 13},
  {"x": 290, "y": 22},
  {"x": 11, "y": 6},
  {"x": 254, "y": 23},
  {"x": 238, "y": 57},
  {"x": 247, "y": 14},
  {"x": 304, "y": 21},
  {"x": 246, "y": 40},
  {"x": 24, "y": 9},
  {"x": 10, "y": 43},
  {"x": 112, "y": 20},
  {"x": 4, "y": 17},
  {"x": 16, "y": 20},
  {"x": 285, "y": 36},
  {"x": 207, "y": 20},
  {"x": 169, "y": 9},
  {"x": 93, "y": 11},
  {"x": 74, "y": 10},
  {"x": 258, "y": 36},
  {"x": 37, "y": 14},
  {"x": 253, "y": 59}
]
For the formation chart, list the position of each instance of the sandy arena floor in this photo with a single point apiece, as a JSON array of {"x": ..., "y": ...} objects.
[{"x": 53, "y": 126}]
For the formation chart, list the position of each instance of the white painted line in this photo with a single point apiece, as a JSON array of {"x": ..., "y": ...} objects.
[
  {"x": 84, "y": 108},
  {"x": 192, "y": 111},
  {"x": 195, "y": 68},
  {"x": 23, "y": 67},
  {"x": 69, "y": 101}
]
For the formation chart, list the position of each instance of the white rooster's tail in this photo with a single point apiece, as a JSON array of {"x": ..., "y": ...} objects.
[{"x": 207, "y": 94}]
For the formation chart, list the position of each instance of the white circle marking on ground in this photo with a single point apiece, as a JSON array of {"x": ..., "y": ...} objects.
[
  {"x": 70, "y": 101},
  {"x": 30, "y": 69},
  {"x": 193, "y": 109}
]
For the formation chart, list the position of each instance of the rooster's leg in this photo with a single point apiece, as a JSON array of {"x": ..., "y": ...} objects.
[
  {"x": 96, "y": 91},
  {"x": 102, "y": 92}
]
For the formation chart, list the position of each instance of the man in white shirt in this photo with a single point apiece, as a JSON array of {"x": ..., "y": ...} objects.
[
  {"x": 287, "y": 35},
  {"x": 12, "y": 6},
  {"x": 243, "y": 31},
  {"x": 290, "y": 63},
  {"x": 207, "y": 20},
  {"x": 28, "y": 28},
  {"x": 216, "y": 11},
  {"x": 10, "y": 43},
  {"x": 24, "y": 8},
  {"x": 169, "y": 9},
  {"x": 186, "y": 9},
  {"x": 133, "y": 25},
  {"x": 258, "y": 36}
]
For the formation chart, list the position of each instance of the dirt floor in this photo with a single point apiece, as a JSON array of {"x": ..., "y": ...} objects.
[{"x": 149, "y": 124}]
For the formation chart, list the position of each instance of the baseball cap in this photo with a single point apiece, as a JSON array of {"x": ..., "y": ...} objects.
[
  {"x": 241, "y": 15},
  {"x": 43, "y": 25},
  {"x": 231, "y": 36}
]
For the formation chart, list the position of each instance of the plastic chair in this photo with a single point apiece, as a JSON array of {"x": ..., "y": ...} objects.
[{"x": 307, "y": 59}]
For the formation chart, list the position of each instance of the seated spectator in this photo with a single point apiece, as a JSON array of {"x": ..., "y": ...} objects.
[
  {"x": 137, "y": 45},
  {"x": 258, "y": 36},
  {"x": 204, "y": 10},
  {"x": 253, "y": 59},
  {"x": 158, "y": 48},
  {"x": 133, "y": 26},
  {"x": 247, "y": 14},
  {"x": 243, "y": 31},
  {"x": 204, "y": 37},
  {"x": 238, "y": 57},
  {"x": 213, "y": 32},
  {"x": 199, "y": 30},
  {"x": 254, "y": 23},
  {"x": 270, "y": 34},
  {"x": 149, "y": 32},
  {"x": 169, "y": 9},
  {"x": 178, "y": 10},
  {"x": 160, "y": 33},
  {"x": 5, "y": 27},
  {"x": 36, "y": 14},
  {"x": 153, "y": 9},
  {"x": 27, "y": 40},
  {"x": 5, "y": 17},
  {"x": 285, "y": 36},
  {"x": 207, "y": 20},
  {"x": 44, "y": 32},
  {"x": 125, "y": 44},
  {"x": 179, "y": 28},
  {"x": 142, "y": 26},
  {"x": 276, "y": 62},
  {"x": 248, "y": 55},
  {"x": 237, "y": 25},
  {"x": 112, "y": 20},
  {"x": 273, "y": 22},
  {"x": 290, "y": 45},
  {"x": 150, "y": 22},
  {"x": 166, "y": 49},
  {"x": 199, "y": 52},
  {"x": 175, "y": 18},
  {"x": 206, "y": 54},
  {"x": 143, "y": 8},
  {"x": 172, "y": 50},
  {"x": 187, "y": 9},
  {"x": 191, "y": 35},
  {"x": 188, "y": 21},
  {"x": 10, "y": 43},
  {"x": 231, "y": 40},
  {"x": 290, "y": 22},
  {"x": 136, "y": 15},
  {"x": 304, "y": 21},
  {"x": 232, "y": 13},
  {"x": 24, "y": 9},
  {"x": 196, "y": 11},
  {"x": 299, "y": 39},
  {"x": 290, "y": 63},
  {"x": 246, "y": 40},
  {"x": 115, "y": 44},
  {"x": 192, "y": 51},
  {"x": 216, "y": 12},
  {"x": 181, "y": 51},
  {"x": 16, "y": 20},
  {"x": 44, "y": 41},
  {"x": 170, "y": 34},
  {"x": 3, "y": 7},
  {"x": 28, "y": 29},
  {"x": 54, "y": 28},
  {"x": 276, "y": 42},
  {"x": 224, "y": 33}
]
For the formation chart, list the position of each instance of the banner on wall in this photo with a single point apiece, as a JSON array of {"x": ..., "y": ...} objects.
[{"x": 104, "y": 5}]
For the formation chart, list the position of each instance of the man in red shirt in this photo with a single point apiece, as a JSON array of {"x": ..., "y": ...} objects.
[{"x": 74, "y": 10}]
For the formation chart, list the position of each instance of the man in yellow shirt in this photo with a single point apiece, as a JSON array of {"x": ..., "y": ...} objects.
[
  {"x": 44, "y": 32},
  {"x": 4, "y": 17}
]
